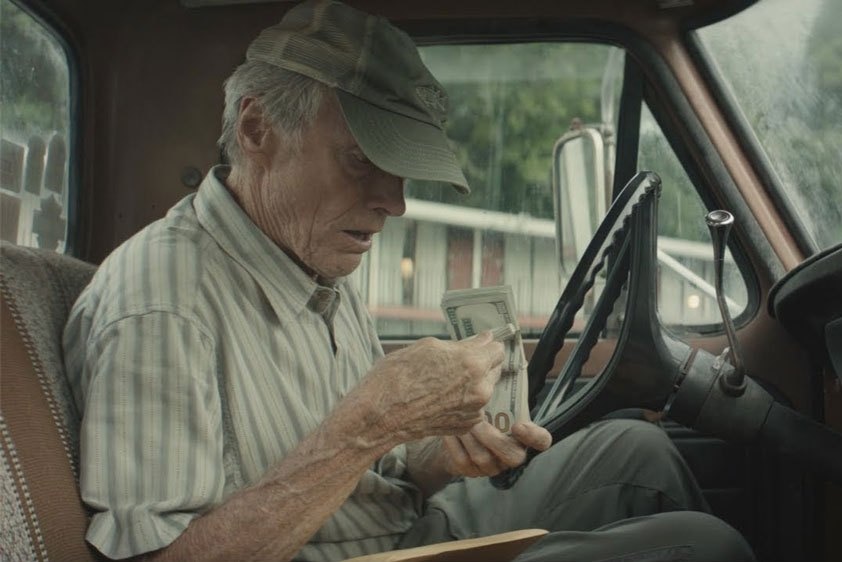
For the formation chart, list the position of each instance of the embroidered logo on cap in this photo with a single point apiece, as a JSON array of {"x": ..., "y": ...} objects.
[{"x": 433, "y": 97}]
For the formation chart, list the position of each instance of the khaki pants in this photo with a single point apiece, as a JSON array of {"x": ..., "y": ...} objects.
[{"x": 616, "y": 490}]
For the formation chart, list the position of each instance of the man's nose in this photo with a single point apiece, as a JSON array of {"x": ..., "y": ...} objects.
[{"x": 387, "y": 195}]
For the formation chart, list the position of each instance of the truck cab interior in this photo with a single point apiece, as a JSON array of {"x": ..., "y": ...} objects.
[{"x": 658, "y": 180}]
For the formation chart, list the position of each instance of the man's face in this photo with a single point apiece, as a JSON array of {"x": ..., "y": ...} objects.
[{"x": 323, "y": 202}]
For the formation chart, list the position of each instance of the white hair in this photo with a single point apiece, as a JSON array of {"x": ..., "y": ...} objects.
[{"x": 290, "y": 101}]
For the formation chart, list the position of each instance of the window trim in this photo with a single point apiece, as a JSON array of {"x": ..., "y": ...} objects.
[
  {"x": 628, "y": 126},
  {"x": 74, "y": 238},
  {"x": 755, "y": 152}
]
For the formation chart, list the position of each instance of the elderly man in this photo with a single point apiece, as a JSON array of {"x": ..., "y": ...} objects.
[{"x": 237, "y": 403}]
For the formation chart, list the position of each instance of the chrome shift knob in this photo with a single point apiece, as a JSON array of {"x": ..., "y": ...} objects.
[{"x": 719, "y": 223}]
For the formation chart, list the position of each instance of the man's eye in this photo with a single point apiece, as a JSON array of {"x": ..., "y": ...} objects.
[
  {"x": 356, "y": 162},
  {"x": 359, "y": 163}
]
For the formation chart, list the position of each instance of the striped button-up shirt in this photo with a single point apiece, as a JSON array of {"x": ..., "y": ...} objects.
[{"x": 200, "y": 355}]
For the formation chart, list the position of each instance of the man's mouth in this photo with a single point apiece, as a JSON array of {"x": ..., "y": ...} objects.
[{"x": 359, "y": 235}]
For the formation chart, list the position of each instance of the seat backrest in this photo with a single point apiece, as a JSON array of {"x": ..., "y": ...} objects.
[{"x": 43, "y": 517}]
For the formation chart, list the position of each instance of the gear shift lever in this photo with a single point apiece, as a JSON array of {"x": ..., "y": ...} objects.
[{"x": 720, "y": 223}]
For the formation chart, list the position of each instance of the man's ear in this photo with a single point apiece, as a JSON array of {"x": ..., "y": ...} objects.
[{"x": 254, "y": 132}]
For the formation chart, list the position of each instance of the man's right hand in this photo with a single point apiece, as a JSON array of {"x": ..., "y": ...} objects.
[{"x": 433, "y": 387}]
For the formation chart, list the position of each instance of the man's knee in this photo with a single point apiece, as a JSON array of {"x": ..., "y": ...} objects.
[
  {"x": 637, "y": 435},
  {"x": 614, "y": 449},
  {"x": 633, "y": 443},
  {"x": 708, "y": 538},
  {"x": 641, "y": 455},
  {"x": 679, "y": 535}
]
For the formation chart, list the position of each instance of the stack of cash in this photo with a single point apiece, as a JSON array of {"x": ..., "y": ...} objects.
[{"x": 471, "y": 311}]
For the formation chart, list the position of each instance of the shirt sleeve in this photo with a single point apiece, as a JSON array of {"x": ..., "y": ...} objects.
[{"x": 151, "y": 441}]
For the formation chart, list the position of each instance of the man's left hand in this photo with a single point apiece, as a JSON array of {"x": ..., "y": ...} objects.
[{"x": 486, "y": 451}]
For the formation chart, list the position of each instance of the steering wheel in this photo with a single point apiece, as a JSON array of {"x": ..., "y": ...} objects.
[
  {"x": 652, "y": 369},
  {"x": 641, "y": 368},
  {"x": 808, "y": 302}
]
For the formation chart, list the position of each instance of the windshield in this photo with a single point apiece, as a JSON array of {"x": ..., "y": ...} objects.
[
  {"x": 510, "y": 104},
  {"x": 781, "y": 62}
]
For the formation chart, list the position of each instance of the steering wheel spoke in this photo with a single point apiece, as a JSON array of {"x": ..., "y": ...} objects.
[{"x": 624, "y": 246}]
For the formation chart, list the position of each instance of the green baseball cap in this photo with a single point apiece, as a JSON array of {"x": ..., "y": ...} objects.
[{"x": 393, "y": 106}]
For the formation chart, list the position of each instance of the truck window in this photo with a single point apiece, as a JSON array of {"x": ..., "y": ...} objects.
[
  {"x": 509, "y": 104},
  {"x": 34, "y": 132},
  {"x": 780, "y": 64}
]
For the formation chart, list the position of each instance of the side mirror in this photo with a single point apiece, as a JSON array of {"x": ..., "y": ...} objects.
[{"x": 581, "y": 190}]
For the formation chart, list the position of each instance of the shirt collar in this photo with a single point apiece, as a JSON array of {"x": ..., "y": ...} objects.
[
  {"x": 285, "y": 284},
  {"x": 325, "y": 301}
]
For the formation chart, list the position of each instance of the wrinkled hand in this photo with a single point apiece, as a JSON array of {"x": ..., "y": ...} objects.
[
  {"x": 486, "y": 451},
  {"x": 434, "y": 387}
]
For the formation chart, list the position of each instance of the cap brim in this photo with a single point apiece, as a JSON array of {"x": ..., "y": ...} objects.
[{"x": 401, "y": 145}]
